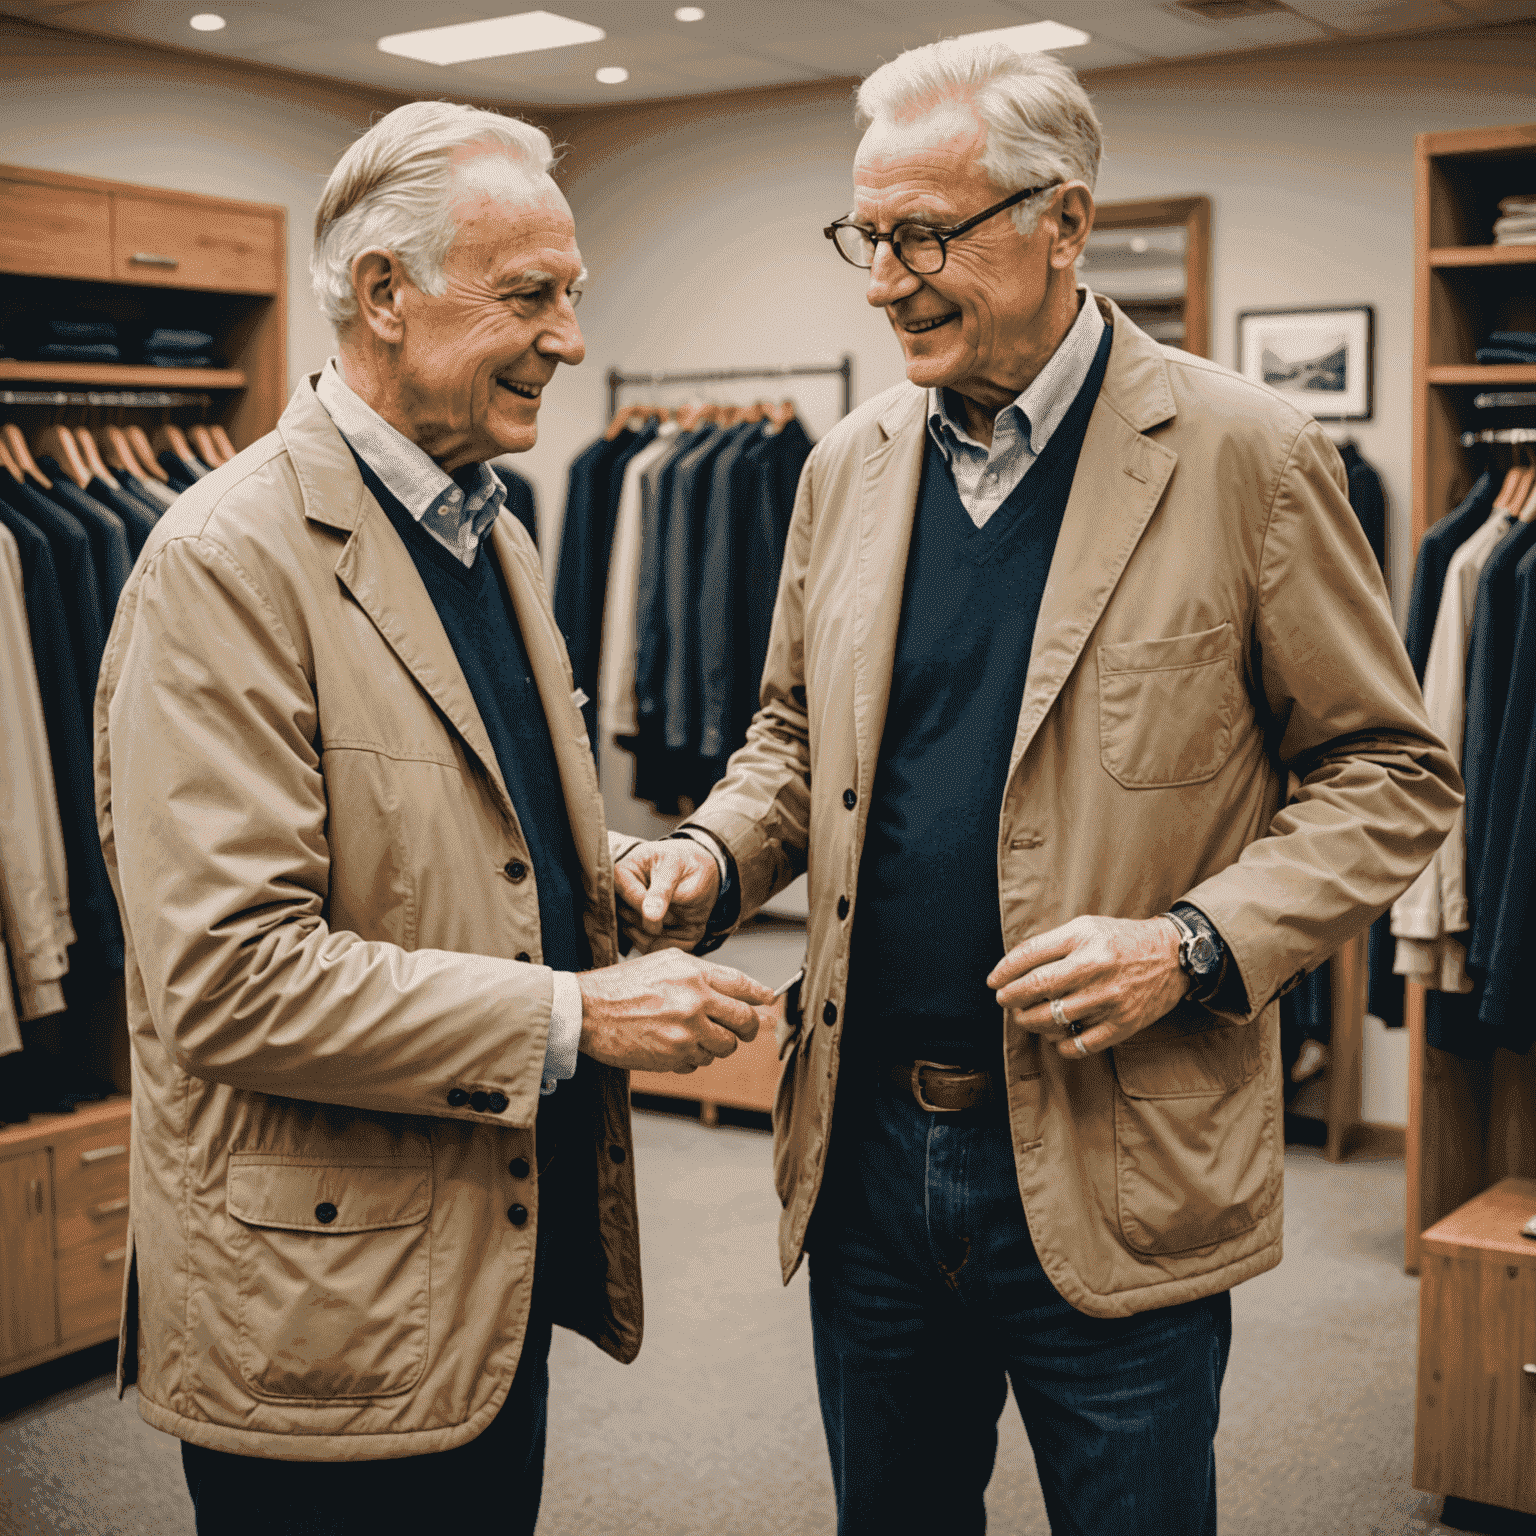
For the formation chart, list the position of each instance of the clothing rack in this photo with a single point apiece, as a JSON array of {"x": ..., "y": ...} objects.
[
  {"x": 139, "y": 399},
  {"x": 618, "y": 380},
  {"x": 1499, "y": 435},
  {"x": 1500, "y": 398}
]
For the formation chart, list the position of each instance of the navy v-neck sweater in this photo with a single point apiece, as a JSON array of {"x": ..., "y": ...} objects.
[
  {"x": 477, "y": 614},
  {"x": 928, "y": 928}
]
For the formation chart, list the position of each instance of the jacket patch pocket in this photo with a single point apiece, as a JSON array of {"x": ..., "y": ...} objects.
[
  {"x": 1194, "y": 1160},
  {"x": 1167, "y": 708},
  {"x": 333, "y": 1273}
]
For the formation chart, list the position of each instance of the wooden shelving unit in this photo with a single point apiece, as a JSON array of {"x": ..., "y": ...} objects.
[
  {"x": 117, "y": 376},
  {"x": 1470, "y": 1124}
]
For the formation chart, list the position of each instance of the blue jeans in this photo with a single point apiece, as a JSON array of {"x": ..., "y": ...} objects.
[{"x": 927, "y": 1298}]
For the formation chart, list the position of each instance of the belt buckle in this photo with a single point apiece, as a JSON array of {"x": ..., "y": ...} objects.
[{"x": 917, "y": 1087}]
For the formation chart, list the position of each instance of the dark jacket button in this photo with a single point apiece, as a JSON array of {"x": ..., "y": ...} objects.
[
  {"x": 325, "y": 1212},
  {"x": 496, "y": 1102},
  {"x": 829, "y": 1013},
  {"x": 518, "y": 1167},
  {"x": 524, "y": 956},
  {"x": 479, "y": 1102},
  {"x": 517, "y": 1214},
  {"x": 457, "y": 1098},
  {"x": 842, "y": 908},
  {"x": 616, "y": 1153},
  {"x": 850, "y": 799},
  {"x": 515, "y": 870}
]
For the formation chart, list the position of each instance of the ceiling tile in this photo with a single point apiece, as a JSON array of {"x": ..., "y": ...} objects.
[
  {"x": 166, "y": 21},
  {"x": 1366, "y": 16}
]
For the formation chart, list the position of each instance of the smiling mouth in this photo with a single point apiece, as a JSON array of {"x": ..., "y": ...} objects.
[
  {"x": 931, "y": 323},
  {"x": 523, "y": 391}
]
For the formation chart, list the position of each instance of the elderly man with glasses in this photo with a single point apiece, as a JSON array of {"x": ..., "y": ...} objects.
[{"x": 1085, "y": 708}]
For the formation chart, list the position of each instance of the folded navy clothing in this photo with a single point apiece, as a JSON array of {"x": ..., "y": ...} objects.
[
  {"x": 164, "y": 339},
  {"x": 78, "y": 330},
  {"x": 83, "y": 352},
  {"x": 1521, "y": 341},
  {"x": 1506, "y": 355},
  {"x": 176, "y": 360}
]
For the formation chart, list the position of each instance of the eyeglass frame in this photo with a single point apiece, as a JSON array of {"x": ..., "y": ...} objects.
[{"x": 942, "y": 234}]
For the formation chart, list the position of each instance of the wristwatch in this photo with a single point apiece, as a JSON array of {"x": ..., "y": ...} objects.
[{"x": 1202, "y": 955}]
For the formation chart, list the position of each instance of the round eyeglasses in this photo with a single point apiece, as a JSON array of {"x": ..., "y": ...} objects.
[{"x": 920, "y": 248}]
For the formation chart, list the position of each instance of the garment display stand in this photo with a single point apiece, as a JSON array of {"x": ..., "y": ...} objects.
[{"x": 618, "y": 380}]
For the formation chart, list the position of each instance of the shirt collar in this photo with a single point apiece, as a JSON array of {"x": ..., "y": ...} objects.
[
  {"x": 456, "y": 509},
  {"x": 1043, "y": 403}
]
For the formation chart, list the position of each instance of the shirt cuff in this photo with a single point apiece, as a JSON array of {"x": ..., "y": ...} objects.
[{"x": 564, "y": 1032}]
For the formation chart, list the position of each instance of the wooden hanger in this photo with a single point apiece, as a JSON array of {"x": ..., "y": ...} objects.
[
  {"x": 221, "y": 441},
  {"x": 23, "y": 455},
  {"x": 138, "y": 440},
  {"x": 203, "y": 443},
  {"x": 1521, "y": 489},
  {"x": 118, "y": 452},
  {"x": 171, "y": 439},
  {"x": 620, "y": 422},
  {"x": 93, "y": 459},
  {"x": 1527, "y": 512},
  {"x": 59, "y": 443},
  {"x": 8, "y": 464},
  {"x": 1510, "y": 489}
]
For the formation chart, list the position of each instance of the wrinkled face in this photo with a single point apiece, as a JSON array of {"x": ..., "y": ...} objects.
[
  {"x": 969, "y": 322},
  {"x": 473, "y": 361}
]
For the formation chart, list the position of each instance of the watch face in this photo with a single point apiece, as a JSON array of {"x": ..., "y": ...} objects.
[{"x": 1202, "y": 954}]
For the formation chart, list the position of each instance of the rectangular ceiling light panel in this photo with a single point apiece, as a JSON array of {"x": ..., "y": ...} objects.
[
  {"x": 1037, "y": 37},
  {"x": 529, "y": 32}
]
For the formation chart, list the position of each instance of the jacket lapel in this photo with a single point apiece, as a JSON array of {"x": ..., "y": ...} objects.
[
  {"x": 887, "y": 510},
  {"x": 1121, "y": 476},
  {"x": 377, "y": 569}
]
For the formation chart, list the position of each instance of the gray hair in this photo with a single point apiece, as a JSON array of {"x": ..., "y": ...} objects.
[
  {"x": 393, "y": 190},
  {"x": 1040, "y": 125}
]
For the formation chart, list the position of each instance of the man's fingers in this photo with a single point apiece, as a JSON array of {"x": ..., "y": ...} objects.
[
  {"x": 734, "y": 984},
  {"x": 716, "y": 1040},
  {"x": 665, "y": 874},
  {"x": 741, "y": 1019},
  {"x": 1037, "y": 951},
  {"x": 1056, "y": 979},
  {"x": 627, "y": 882}
]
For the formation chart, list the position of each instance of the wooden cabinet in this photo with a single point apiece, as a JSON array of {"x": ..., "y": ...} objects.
[
  {"x": 1475, "y": 1424},
  {"x": 63, "y": 1232},
  {"x": 27, "y": 1318},
  {"x": 225, "y": 249},
  {"x": 55, "y": 231}
]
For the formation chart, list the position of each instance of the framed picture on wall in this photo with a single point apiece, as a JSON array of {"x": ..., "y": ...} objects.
[{"x": 1323, "y": 360}]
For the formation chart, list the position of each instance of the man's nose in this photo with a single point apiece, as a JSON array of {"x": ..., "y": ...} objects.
[
  {"x": 889, "y": 281},
  {"x": 564, "y": 340}
]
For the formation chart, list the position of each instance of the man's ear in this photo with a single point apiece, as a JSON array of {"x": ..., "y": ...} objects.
[
  {"x": 1074, "y": 221},
  {"x": 376, "y": 282}
]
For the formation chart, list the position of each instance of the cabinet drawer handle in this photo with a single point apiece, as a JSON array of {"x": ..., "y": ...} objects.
[
  {"x": 113, "y": 1256},
  {"x": 110, "y": 1207},
  {"x": 35, "y": 1196},
  {"x": 150, "y": 259},
  {"x": 101, "y": 1154},
  {"x": 1530, "y": 1370}
]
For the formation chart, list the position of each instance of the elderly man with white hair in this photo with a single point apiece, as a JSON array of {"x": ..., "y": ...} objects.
[
  {"x": 1085, "y": 707},
  {"x": 381, "y": 1116}
]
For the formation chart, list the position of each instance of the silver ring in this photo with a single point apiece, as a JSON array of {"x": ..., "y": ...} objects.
[
  {"x": 1059, "y": 1014},
  {"x": 1077, "y": 1040}
]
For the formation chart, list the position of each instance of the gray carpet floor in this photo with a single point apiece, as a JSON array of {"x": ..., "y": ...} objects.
[{"x": 715, "y": 1428}]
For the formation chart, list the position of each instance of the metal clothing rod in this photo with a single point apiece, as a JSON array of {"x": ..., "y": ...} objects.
[
  {"x": 1503, "y": 397},
  {"x": 618, "y": 380},
  {"x": 1499, "y": 435},
  {"x": 143, "y": 399}
]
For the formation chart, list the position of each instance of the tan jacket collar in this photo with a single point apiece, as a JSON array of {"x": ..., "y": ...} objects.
[{"x": 332, "y": 489}]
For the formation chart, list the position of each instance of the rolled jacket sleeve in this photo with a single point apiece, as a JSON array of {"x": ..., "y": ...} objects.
[
  {"x": 1376, "y": 790},
  {"x": 215, "y": 819}
]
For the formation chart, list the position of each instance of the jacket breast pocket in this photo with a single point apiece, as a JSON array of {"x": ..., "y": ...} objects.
[
  {"x": 333, "y": 1275},
  {"x": 1167, "y": 708},
  {"x": 1194, "y": 1124}
]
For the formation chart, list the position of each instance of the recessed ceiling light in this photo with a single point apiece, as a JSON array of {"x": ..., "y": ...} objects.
[
  {"x": 208, "y": 22},
  {"x": 529, "y": 32},
  {"x": 689, "y": 13},
  {"x": 614, "y": 74},
  {"x": 1037, "y": 37}
]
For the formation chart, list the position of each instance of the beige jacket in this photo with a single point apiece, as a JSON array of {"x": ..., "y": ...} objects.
[
  {"x": 34, "y": 893},
  {"x": 1213, "y": 622},
  {"x": 306, "y": 829}
]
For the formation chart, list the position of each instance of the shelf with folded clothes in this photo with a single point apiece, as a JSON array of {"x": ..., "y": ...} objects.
[
  {"x": 1484, "y": 256},
  {"x": 118, "y": 375},
  {"x": 1481, "y": 375}
]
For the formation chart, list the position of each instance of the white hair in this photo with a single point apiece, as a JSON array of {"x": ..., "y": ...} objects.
[
  {"x": 394, "y": 188},
  {"x": 1040, "y": 125}
]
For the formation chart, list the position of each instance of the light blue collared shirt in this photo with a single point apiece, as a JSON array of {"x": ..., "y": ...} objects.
[
  {"x": 459, "y": 517},
  {"x": 987, "y": 477}
]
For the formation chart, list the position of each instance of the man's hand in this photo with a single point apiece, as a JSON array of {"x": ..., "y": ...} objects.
[
  {"x": 666, "y": 891},
  {"x": 1112, "y": 976},
  {"x": 668, "y": 1012}
]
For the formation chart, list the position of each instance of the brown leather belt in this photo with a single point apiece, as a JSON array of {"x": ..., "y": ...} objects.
[{"x": 940, "y": 1089}]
